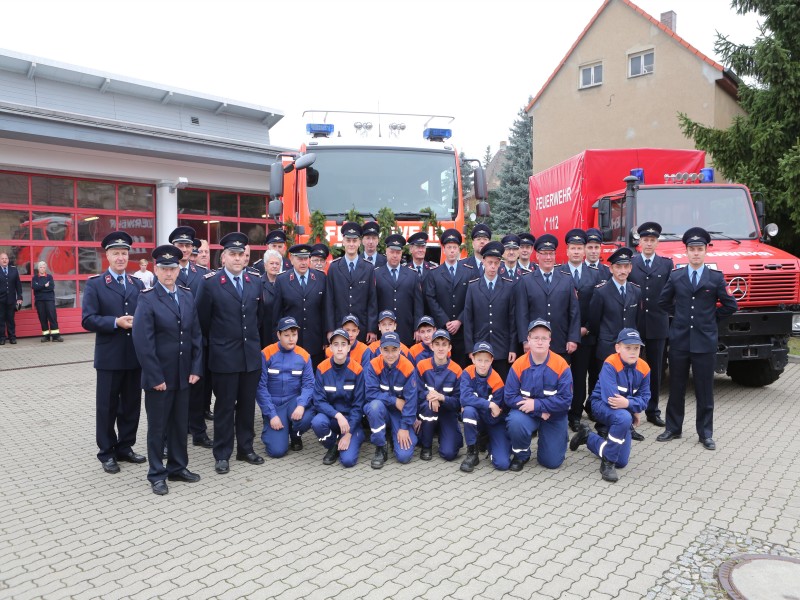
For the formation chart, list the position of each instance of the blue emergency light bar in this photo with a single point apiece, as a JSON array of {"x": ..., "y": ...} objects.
[
  {"x": 708, "y": 175},
  {"x": 639, "y": 174},
  {"x": 434, "y": 134},
  {"x": 319, "y": 129}
]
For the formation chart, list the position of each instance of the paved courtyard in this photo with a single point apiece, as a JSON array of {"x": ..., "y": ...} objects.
[{"x": 293, "y": 528}]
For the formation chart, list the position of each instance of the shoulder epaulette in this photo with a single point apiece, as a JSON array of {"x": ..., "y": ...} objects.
[
  {"x": 183, "y": 287},
  {"x": 675, "y": 267},
  {"x": 148, "y": 290},
  {"x": 602, "y": 283},
  {"x": 254, "y": 272},
  {"x": 94, "y": 276},
  {"x": 474, "y": 280},
  {"x": 524, "y": 273},
  {"x": 509, "y": 280},
  {"x": 433, "y": 264},
  {"x": 469, "y": 266},
  {"x": 633, "y": 284},
  {"x": 209, "y": 274},
  {"x": 335, "y": 259},
  {"x": 713, "y": 269}
]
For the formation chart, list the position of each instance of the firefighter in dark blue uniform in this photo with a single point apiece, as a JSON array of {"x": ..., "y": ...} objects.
[
  {"x": 229, "y": 308},
  {"x": 691, "y": 295},
  {"x": 481, "y": 235},
  {"x": 319, "y": 257},
  {"x": 370, "y": 232},
  {"x": 417, "y": 246},
  {"x": 594, "y": 246},
  {"x": 549, "y": 294},
  {"x": 169, "y": 346},
  {"x": 10, "y": 299},
  {"x": 585, "y": 279},
  {"x": 351, "y": 287},
  {"x": 510, "y": 268},
  {"x": 489, "y": 311},
  {"x": 300, "y": 293},
  {"x": 399, "y": 290},
  {"x": 526, "y": 242},
  {"x": 446, "y": 293},
  {"x": 108, "y": 303},
  {"x": 650, "y": 272},
  {"x": 191, "y": 276},
  {"x": 276, "y": 240}
]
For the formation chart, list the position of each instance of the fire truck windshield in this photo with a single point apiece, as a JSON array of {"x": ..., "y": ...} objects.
[
  {"x": 368, "y": 179},
  {"x": 725, "y": 212}
]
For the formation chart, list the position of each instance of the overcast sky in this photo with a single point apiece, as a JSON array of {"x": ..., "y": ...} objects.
[{"x": 477, "y": 61}]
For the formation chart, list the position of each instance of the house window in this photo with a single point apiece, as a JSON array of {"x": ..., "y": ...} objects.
[
  {"x": 640, "y": 64},
  {"x": 591, "y": 75}
]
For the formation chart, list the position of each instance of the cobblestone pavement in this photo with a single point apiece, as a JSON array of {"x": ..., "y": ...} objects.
[{"x": 293, "y": 528}]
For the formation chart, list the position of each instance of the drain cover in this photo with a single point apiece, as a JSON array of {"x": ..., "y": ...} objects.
[{"x": 761, "y": 577}]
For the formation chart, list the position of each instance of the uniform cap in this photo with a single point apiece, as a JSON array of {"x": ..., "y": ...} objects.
[
  {"x": 387, "y": 314},
  {"x": 288, "y": 323},
  {"x": 167, "y": 255},
  {"x": 196, "y": 246},
  {"x": 575, "y": 236},
  {"x": 370, "y": 228},
  {"x": 621, "y": 256},
  {"x": 339, "y": 333},
  {"x": 510, "y": 241},
  {"x": 650, "y": 228},
  {"x": 425, "y": 320},
  {"x": 492, "y": 249},
  {"x": 320, "y": 250},
  {"x": 526, "y": 239},
  {"x": 483, "y": 347},
  {"x": 418, "y": 239},
  {"x": 594, "y": 235},
  {"x": 696, "y": 236},
  {"x": 441, "y": 333},
  {"x": 276, "y": 236},
  {"x": 390, "y": 339},
  {"x": 539, "y": 323},
  {"x": 629, "y": 336},
  {"x": 300, "y": 250},
  {"x": 481, "y": 230},
  {"x": 351, "y": 319},
  {"x": 395, "y": 241},
  {"x": 235, "y": 241},
  {"x": 183, "y": 234},
  {"x": 117, "y": 239},
  {"x": 451, "y": 236},
  {"x": 546, "y": 242}
]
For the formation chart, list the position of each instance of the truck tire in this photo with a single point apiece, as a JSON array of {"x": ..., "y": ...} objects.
[{"x": 753, "y": 373}]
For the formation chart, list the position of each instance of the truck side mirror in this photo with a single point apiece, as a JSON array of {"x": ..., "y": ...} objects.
[
  {"x": 604, "y": 214},
  {"x": 275, "y": 181},
  {"x": 305, "y": 161},
  {"x": 312, "y": 177},
  {"x": 275, "y": 209},
  {"x": 300, "y": 229},
  {"x": 760, "y": 214},
  {"x": 479, "y": 184},
  {"x": 482, "y": 209}
]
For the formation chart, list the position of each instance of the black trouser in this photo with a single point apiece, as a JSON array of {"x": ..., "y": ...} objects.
[
  {"x": 118, "y": 401},
  {"x": 501, "y": 367},
  {"x": 458, "y": 353},
  {"x": 46, "y": 309},
  {"x": 197, "y": 402},
  {"x": 234, "y": 410},
  {"x": 7, "y": 312},
  {"x": 316, "y": 359},
  {"x": 579, "y": 366},
  {"x": 167, "y": 421},
  {"x": 654, "y": 356},
  {"x": 703, "y": 375}
]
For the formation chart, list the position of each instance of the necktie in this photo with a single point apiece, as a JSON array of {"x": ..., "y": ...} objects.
[
  {"x": 121, "y": 281},
  {"x": 622, "y": 293},
  {"x": 452, "y": 272},
  {"x": 419, "y": 270},
  {"x": 174, "y": 296},
  {"x": 694, "y": 279},
  {"x": 547, "y": 279},
  {"x": 238, "y": 285},
  {"x": 394, "y": 275},
  {"x": 185, "y": 272},
  {"x": 593, "y": 265},
  {"x": 303, "y": 281},
  {"x": 491, "y": 286},
  {"x": 5, "y": 270},
  {"x": 369, "y": 258},
  {"x": 351, "y": 268},
  {"x": 647, "y": 263},
  {"x": 576, "y": 275},
  {"x": 480, "y": 268}
]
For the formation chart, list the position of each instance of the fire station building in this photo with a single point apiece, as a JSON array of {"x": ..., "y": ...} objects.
[{"x": 83, "y": 153}]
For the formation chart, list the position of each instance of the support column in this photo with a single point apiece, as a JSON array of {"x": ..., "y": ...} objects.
[{"x": 166, "y": 211}]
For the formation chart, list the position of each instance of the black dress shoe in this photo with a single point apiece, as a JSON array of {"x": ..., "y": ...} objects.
[
  {"x": 205, "y": 442},
  {"x": 184, "y": 475},
  {"x": 208, "y": 415},
  {"x": 110, "y": 466},
  {"x": 2, "y": 342},
  {"x": 160, "y": 488},
  {"x": 250, "y": 457},
  {"x": 635, "y": 435},
  {"x": 221, "y": 467},
  {"x": 517, "y": 464},
  {"x": 331, "y": 455},
  {"x": 297, "y": 443},
  {"x": 608, "y": 471},
  {"x": 426, "y": 454},
  {"x": 580, "y": 438},
  {"x": 131, "y": 457},
  {"x": 667, "y": 436},
  {"x": 656, "y": 420},
  {"x": 708, "y": 444},
  {"x": 13, "y": 341},
  {"x": 575, "y": 426},
  {"x": 381, "y": 456}
]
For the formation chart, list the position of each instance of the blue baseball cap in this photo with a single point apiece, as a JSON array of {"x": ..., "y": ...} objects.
[
  {"x": 351, "y": 319},
  {"x": 288, "y": 323},
  {"x": 390, "y": 339},
  {"x": 387, "y": 314},
  {"x": 339, "y": 333},
  {"x": 629, "y": 336},
  {"x": 441, "y": 333},
  {"x": 426, "y": 320},
  {"x": 483, "y": 347},
  {"x": 539, "y": 323}
]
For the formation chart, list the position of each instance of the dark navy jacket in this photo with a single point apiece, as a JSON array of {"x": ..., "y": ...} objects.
[
  {"x": 103, "y": 301},
  {"x": 608, "y": 315},
  {"x": 477, "y": 391},
  {"x": 630, "y": 381},
  {"x": 40, "y": 292},
  {"x": 653, "y": 322},
  {"x": 696, "y": 314},
  {"x": 445, "y": 379},
  {"x": 589, "y": 279},
  {"x": 445, "y": 297},
  {"x": 549, "y": 384},
  {"x": 491, "y": 317},
  {"x": 380, "y": 259},
  {"x": 403, "y": 297},
  {"x": 285, "y": 375},
  {"x": 194, "y": 280},
  {"x": 354, "y": 295},
  {"x": 558, "y": 304},
  {"x": 307, "y": 307},
  {"x": 340, "y": 389},
  {"x": 167, "y": 338},
  {"x": 387, "y": 383},
  {"x": 10, "y": 286}
]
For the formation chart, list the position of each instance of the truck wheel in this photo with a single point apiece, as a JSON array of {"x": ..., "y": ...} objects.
[{"x": 753, "y": 373}]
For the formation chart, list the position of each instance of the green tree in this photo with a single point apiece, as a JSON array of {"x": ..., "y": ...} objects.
[
  {"x": 466, "y": 174},
  {"x": 318, "y": 233},
  {"x": 487, "y": 157},
  {"x": 353, "y": 215},
  {"x": 511, "y": 210},
  {"x": 762, "y": 148},
  {"x": 429, "y": 220},
  {"x": 388, "y": 224}
]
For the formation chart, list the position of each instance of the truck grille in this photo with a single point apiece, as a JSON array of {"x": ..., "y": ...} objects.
[{"x": 764, "y": 288}]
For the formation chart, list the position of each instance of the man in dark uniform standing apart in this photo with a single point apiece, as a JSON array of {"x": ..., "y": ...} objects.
[
  {"x": 691, "y": 295},
  {"x": 481, "y": 235},
  {"x": 446, "y": 293},
  {"x": 300, "y": 293},
  {"x": 169, "y": 346},
  {"x": 109, "y": 301},
  {"x": 351, "y": 288},
  {"x": 10, "y": 299},
  {"x": 549, "y": 294},
  {"x": 650, "y": 272},
  {"x": 230, "y": 313},
  {"x": 370, "y": 232},
  {"x": 594, "y": 241},
  {"x": 585, "y": 279},
  {"x": 399, "y": 290}
]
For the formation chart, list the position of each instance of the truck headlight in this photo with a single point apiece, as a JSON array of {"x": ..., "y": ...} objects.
[{"x": 796, "y": 323}]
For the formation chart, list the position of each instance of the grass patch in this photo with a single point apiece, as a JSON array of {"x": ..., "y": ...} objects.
[{"x": 794, "y": 346}]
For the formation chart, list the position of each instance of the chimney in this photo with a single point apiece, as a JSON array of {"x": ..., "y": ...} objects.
[
  {"x": 503, "y": 145},
  {"x": 670, "y": 19}
]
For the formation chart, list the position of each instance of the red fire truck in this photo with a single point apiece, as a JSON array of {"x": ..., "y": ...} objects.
[{"x": 675, "y": 189}]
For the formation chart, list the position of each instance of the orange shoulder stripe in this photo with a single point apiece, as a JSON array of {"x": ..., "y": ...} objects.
[
  {"x": 424, "y": 365},
  {"x": 405, "y": 366},
  {"x": 615, "y": 361},
  {"x": 377, "y": 364},
  {"x": 642, "y": 367},
  {"x": 305, "y": 355},
  {"x": 522, "y": 363},
  {"x": 557, "y": 364},
  {"x": 324, "y": 366},
  {"x": 355, "y": 367},
  {"x": 454, "y": 368},
  {"x": 495, "y": 381},
  {"x": 270, "y": 350}
]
